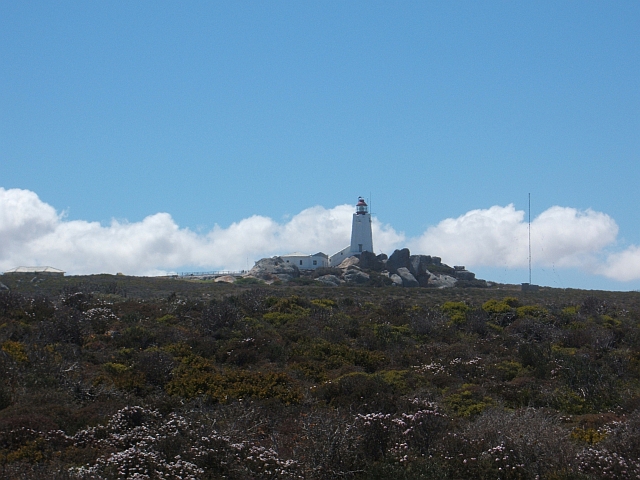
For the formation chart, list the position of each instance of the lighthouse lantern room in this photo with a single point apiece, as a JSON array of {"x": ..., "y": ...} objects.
[{"x": 361, "y": 207}]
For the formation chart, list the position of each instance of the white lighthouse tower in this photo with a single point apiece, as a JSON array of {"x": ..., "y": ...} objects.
[{"x": 361, "y": 236}]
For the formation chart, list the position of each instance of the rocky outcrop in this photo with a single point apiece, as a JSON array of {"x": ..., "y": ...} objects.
[
  {"x": 462, "y": 273},
  {"x": 371, "y": 261},
  {"x": 399, "y": 259},
  {"x": 348, "y": 262},
  {"x": 355, "y": 276},
  {"x": 402, "y": 268},
  {"x": 441, "y": 281},
  {"x": 274, "y": 268},
  {"x": 330, "y": 280},
  {"x": 225, "y": 279},
  {"x": 408, "y": 280},
  {"x": 418, "y": 264},
  {"x": 419, "y": 268}
]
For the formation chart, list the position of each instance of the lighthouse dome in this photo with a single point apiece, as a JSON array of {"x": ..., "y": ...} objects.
[{"x": 361, "y": 206}]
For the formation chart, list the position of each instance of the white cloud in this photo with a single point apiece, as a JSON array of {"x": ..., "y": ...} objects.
[
  {"x": 33, "y": 233},
  {"x": 623, "y": 266},
  {"x": 498, "y": 237},
  {"x": 23, "y": 216}
]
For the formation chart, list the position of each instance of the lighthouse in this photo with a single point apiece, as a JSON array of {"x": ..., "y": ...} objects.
[{"x": 361, "y": 236}]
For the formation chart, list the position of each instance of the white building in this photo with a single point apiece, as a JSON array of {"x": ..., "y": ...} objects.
[
  {"x": 307, "y": 262},
  {"x": 361, "y": 236}
]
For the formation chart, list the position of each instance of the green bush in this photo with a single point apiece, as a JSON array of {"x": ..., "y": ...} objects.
[
  {"x": 467, "y": 401},
  {"x": 497, "y": 307},
  {"x": 16, "y": 350},
  {"x": 247, "y": 281},
  {"x": 333, "y": 355},
  {"x": 197, "y": 376},
  {"x": 457, "y": 311}
]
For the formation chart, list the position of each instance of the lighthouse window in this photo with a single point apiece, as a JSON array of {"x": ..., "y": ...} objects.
[
  {"x": 315, "y": 262},
  {"x": 360, "y": 247},
  {"x": 300, "y": 262}
]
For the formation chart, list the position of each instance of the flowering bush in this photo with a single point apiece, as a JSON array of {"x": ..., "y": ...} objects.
[{"x": 142, "y": 444}]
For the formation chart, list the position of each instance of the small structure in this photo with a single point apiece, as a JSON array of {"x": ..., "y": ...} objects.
[
  {"x": 307, "y": 262},
  {"x": 361, "y": 236},
  {"x": 35, "y": 271}
]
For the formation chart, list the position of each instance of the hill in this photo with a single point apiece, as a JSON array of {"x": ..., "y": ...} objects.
[{"x": 127, "y": 377}]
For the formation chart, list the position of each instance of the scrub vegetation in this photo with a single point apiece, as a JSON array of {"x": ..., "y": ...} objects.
[{"x": 113, "y": 377}]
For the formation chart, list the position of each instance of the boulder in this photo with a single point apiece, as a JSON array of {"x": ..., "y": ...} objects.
[
  {"x": 348, "y": 262},
  {"x": 423, "y": 279},
  {"x": 353, "y": 275},
  {"x": 226, "y": 279},
  {"x": 465, "y": 275},
  {"x": 396, "y": 279},
  {"x": 399, "y": 259},
  {"x": 418, "y": 264},
  {"x": 330, "y": 280},
  {"x": 371, "y": 261},
  {"x": 408, "y": 280},
  {"x": 274, "y": 268},
  {"x": 441, "y": 281}
]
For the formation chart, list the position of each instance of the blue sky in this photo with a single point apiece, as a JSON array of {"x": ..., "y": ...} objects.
[{"x": 219, "y": 113}]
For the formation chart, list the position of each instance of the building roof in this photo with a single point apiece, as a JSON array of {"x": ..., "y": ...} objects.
[
  {"x": 34, "y": 270},
  {"x": 299, "y": 254}
]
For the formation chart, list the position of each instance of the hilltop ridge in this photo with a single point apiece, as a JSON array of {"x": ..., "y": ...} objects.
[{"x": 401, "y": 269}]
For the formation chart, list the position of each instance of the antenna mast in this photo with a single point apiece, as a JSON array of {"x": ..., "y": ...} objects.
[{"x": 529, "y": 238}]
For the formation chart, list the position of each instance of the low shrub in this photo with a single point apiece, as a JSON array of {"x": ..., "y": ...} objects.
[{"x": 457, "y": 311}]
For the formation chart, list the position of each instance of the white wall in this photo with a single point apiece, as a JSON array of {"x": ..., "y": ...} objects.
[
  {"x": 337, "y": 258},
  {"x": 305, "y": 262},
  {"x": 361, "y": 234}
]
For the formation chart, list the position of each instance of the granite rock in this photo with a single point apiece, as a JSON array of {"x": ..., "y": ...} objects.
[
  {"x": 371, "y": 261},
  {"x": 356, "y": 276},
  {"x": 274, "y": 268},
  {"x": 330, "y": 280},
  {"x": 348, "y": 262},
  {"x": 399, "y": 259},
  {"x": 226, "y": 279},
  {"x": 441, "y": 281},
  {"x": 408, "y": 280}
]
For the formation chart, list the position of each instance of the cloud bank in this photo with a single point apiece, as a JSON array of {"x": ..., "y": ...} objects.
[
  {"x": 34, "y": 233},
  {"x": 499, "y": 237}
]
